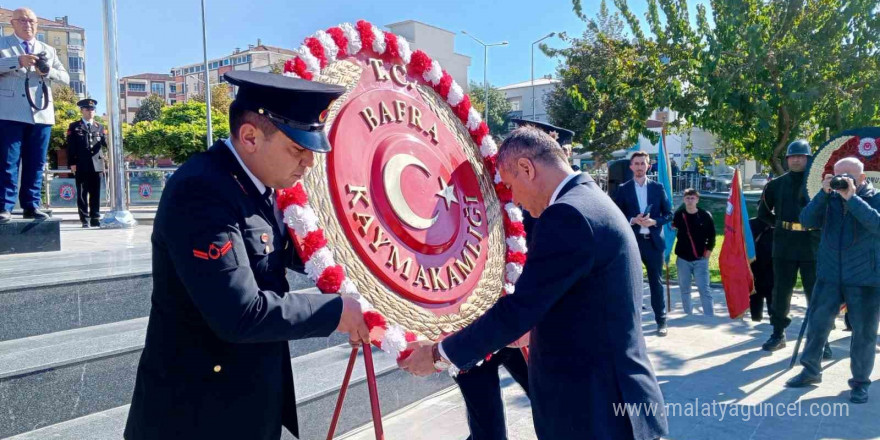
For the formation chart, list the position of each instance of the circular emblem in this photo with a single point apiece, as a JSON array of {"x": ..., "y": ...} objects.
[
  {"x": 860, "y": 143},
  {"x": 145, "y": 190},
  {"x": 412, "y": 207},
  {"x": 66, "y": 192},
  {"x": 406, "y": 212}
]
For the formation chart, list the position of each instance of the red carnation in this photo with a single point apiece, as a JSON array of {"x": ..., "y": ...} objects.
[
  {"x": 312, "y": 242},
  {"x": 338, "y": 36},
  {"x": 367, "y": 36},
  {"x": 374, "y": 319},
  {"x": 330, "y": 280},
  {"x": 504, "y": 194},
  {"x": 462, "y": 109},
  {"x": 410, "y": 337},
  {"x": 295, "y": 195},
  {"x": 491, "y": 163},
  {"x": 288, "y": 65},
  {"x": 392, "y": 52},
  {"x": 515, "y": 229},
  {"x": 482, "y": 130},
  {"x": 442, "y": 87},
  {"x": 420, "y": 63},
  {"x": 516, "y": 257},
  {"x": 299, "y": 68},
  {"x": 317, "y": 50}
]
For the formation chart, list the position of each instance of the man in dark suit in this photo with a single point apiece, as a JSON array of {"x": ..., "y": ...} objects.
[
  {"x": 85, "y": 139},
  {"x": 578, "y": 296},
  {"x": 633, "y": 198},
  {"x": 216, "y": 363}
]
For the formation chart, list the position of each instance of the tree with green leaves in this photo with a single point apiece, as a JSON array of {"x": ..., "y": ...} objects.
[
  {"x": 608, "y": 86},
  {"x": 220, "y": 98},
  {"x": 765, "y": 72},
  {"x": 150, "y": 109},
  {"x": 499, "y": 107},
  {"x": 178, "y": 133}
]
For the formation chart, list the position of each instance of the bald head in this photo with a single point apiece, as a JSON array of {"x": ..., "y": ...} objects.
[
  {"x": 852, "y": 166},
  {"x": 24, "y": 23}
]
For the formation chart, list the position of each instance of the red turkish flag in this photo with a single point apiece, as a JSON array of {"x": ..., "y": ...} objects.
[{"x": 736, "y": 252}]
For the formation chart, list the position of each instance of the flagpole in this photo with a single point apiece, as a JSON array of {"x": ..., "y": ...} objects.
[{"x": 666, "y": 155}]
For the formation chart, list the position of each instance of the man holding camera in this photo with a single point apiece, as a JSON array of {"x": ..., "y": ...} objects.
[
  {"x": 27, "y": 69},
  {"x": 794, "y": 244},
  {"x": 846, "y": 210}
]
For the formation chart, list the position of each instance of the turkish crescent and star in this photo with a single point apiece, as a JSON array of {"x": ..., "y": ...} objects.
[{"x": 391, "y": 177}]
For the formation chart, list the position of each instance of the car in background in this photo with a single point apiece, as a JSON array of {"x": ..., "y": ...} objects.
[{"x": 759, "y": 180}]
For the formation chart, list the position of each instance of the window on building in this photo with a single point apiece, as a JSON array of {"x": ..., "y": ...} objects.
[
  {"x": 173, "y": 88},
  {"x": 77, "y": 87},
  {"x": 74, "y": 64},
  {"x": 56, "y": 41},
  {"x": 122, "y": 89},
  {"x": 42, "y": 37},
  {"x": 158, "y": 88},
  {"x": 248, "y": 58},
  {"x": 515, "y": 104},
  {"x": 75, "y": 39},
  {"x": 173, "y": 101},
  {"x": 226, "y": 62},
  {"x": 137, "y": 87}
]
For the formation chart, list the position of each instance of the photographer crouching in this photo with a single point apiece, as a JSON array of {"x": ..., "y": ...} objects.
[
  {"x": 847, "y": 272},
  {"x": 27, "y": 69}
]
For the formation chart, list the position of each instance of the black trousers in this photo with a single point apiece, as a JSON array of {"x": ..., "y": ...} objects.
[
  {"x": 653, "y": 261},
  {"x": 481, "y": 389},
  {"x": 784, "y": 278},
  {"x": 88, "y": 195}
]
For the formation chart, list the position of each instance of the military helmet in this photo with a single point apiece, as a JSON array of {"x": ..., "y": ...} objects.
[{"x": 799, "y": 147}]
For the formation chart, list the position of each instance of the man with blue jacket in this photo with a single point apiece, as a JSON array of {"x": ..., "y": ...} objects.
[{"x": 847, "y": 272}]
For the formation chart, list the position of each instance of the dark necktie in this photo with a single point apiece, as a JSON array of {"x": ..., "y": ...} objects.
[{"x": 27, "y": 47}]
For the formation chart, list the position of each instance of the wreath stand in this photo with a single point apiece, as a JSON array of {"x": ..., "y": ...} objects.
[{"x": 371, "y": 387}]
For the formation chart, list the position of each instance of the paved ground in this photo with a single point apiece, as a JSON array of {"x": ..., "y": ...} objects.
[{"x": 703, "y": 360}]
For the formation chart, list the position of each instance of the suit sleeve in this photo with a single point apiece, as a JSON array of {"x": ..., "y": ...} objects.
[
  {"x": 58, "y": 72},
  {"x": 665, "y": 209},
  {"x": 556, "y": 261},
  {"x": 765, "y": 206},
  {"x": 9, "y": 65},
  {"x": 224, "y": 289}
]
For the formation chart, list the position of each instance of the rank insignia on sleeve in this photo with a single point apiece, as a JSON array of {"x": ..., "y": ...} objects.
[{"x": 214, "y": 252}]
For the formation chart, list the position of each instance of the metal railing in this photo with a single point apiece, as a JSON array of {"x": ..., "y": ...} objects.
[{"x": 145, "y": 186}]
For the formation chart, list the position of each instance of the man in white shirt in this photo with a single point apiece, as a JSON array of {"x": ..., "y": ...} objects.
[{"x": 645, "y": 205}]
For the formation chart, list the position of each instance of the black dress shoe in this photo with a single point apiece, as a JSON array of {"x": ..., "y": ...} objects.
[
  {"x": 95, "y": 222},
  {"x": 859, "y": 395},
  {"x": 35, "y": 214},
  {"x": 776, "y": 342},
  {"x": 802, "y": 380},
  {"x": 5, "y": 216},
  {"x": 662, "y": 330},
  {"x": 826, "y": 352}
]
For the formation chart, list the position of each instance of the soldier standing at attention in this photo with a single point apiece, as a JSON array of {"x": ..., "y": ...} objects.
[{"x": 794, "y": 246}]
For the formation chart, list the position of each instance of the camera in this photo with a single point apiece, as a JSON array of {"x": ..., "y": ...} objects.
[
  {"x": 838, "y": 181},
  {"x": 42, "y": 63}
]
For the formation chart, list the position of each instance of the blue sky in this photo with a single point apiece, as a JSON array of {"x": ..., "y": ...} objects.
[{"x": 159, "y": 34}]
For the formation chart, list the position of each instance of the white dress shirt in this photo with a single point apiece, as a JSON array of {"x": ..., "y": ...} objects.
[
  {"x": 642, "y": 196},
  {"x": 31, "y": 44}
]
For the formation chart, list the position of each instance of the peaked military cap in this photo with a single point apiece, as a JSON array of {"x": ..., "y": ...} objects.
[
  {"x": 296, "y": 106},
  {"x": 563, "y": 136},
  {"x": 88, "y": 103}
]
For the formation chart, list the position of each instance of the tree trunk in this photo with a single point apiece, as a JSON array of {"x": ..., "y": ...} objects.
[{"x": 784, "y": 131}]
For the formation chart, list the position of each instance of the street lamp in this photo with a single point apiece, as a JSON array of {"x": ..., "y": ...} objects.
[
  {"x": 485, "y": 68},
  {"x": 533, "y": 69}
]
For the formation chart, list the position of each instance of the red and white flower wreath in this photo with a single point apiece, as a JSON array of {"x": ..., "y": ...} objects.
[{"x": 325, "y": 47}]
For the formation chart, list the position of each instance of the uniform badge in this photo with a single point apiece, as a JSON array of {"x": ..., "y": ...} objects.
[{"x": 214, "y": 252}]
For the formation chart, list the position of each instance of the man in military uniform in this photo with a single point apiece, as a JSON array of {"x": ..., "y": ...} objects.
[
  {"x": 85, "y": 139},
  {"x": 794, "y": 246},
  {"x": 216, "y": 362}
]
